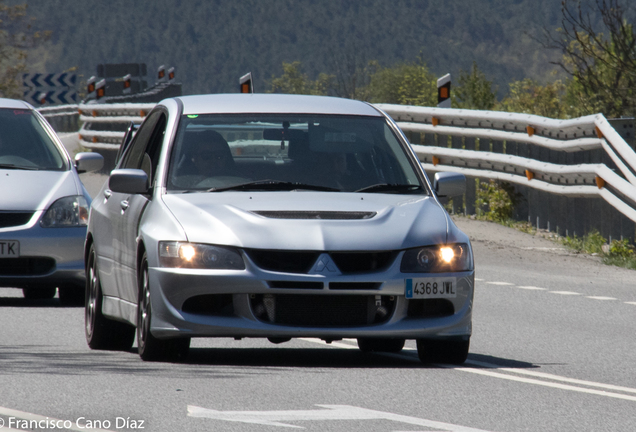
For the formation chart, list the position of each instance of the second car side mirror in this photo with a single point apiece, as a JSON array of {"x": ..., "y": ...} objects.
[
  {"x": 128, "y": 181},
  {"x": 88, "y": 162}
]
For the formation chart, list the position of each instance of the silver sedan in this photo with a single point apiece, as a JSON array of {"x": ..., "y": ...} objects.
[
  {"x": 43, "y": 207},
  {"x": 278, "y": 217}
]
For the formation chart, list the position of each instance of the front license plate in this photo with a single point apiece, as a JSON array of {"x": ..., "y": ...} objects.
[
  {"x": 9, "y": 249},
  {"x": 428, "y": 288}
]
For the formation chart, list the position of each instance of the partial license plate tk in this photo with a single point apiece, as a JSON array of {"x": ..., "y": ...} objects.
[{"x": 9, "y": 249}]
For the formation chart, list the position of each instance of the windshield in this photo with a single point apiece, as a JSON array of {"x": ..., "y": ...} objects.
[
  {"x": 25, "y": 144},
  {"x": 289, "y": 152}
]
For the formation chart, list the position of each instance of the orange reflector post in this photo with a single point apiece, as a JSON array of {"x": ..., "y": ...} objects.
[
  {"x": 94, "y": 139},
  {"x": 94, "y": 113},
  {"x": 530, "y": 130},
  {"x": 598, "y": 132},
  {"x": 435, "y": 121},
  {"x": 435, "y": 160},
  {"x": 142, "y": 113},
  {"x": 529, "y": 174},
  {"x": 600, "y": 182}
]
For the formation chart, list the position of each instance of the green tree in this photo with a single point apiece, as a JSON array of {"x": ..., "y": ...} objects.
[
  {"x": 528, "y": 96},
  {"x": 599, "y": 58},
  {"x": 474, "y": 90},
  {"x": 16, "y": 37},
  {"x": 294, "y": 81},
  {"x": 404, "y": 83}
]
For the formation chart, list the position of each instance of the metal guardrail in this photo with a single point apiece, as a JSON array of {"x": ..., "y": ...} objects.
[
  {"x": 448, "y": 139},
  {"x": 616, "y": 186}
]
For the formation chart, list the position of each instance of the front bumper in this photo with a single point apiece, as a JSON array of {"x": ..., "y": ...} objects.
[
  {"x": 183, "y": 305},
  {"x": 48, "y": 257}
]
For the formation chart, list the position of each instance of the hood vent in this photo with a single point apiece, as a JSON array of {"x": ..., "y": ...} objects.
[{"x": 325, "y": 215}]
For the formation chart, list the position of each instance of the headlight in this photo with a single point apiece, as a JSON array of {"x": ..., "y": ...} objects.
[
  {"x": 199, "y": 256},
  {"x": 66, "y": 212},
  {"x": 437, "y": 259}
]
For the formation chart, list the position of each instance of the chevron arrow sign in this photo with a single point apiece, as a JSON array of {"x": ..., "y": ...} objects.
[
  {"x": 51, "y": 97},
  {"x": 37, "y": 80}
]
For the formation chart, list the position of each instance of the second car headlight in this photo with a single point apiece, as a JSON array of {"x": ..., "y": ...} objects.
[
  {"x": 199, "y": 256},
  {"x": 66, "y": 212},
  {"x": 437, "y": 259}
]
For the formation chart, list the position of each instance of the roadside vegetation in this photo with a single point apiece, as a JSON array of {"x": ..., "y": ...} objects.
[{"x": 496, "y": 201}]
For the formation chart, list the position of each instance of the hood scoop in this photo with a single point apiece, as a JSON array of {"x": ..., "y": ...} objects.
[{"x": 325, "y": 215}]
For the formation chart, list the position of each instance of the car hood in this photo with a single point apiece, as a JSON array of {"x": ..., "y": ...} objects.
[
  {"x": 232, "y": 218},
  {"x": 24, "y": 190}
]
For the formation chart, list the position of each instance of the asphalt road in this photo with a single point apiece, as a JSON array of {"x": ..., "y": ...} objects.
[{"x": 553, "y": 350}]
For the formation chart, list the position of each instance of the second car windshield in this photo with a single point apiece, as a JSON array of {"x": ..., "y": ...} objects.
[
  {"x": 259, "y": 152},
  {"x": 25, "y": 144}
]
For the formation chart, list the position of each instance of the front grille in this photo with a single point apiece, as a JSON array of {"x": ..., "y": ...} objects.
[
  {"x": 302, "y": 261},
  {"x": 210, "y": 304},
  {"x": 362, "y": 262},
  {"x": 11, "y": 219},
  {"x": 322, "y": 310},
  {"x": 430, "y": 308},
  {"x": 26, "y": 266},
  {"x": 283, "y": 261},
  {"x": 325, "y": 215}
]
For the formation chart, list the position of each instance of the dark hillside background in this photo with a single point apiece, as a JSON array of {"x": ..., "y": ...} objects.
[{"x": 212, "y": 43}]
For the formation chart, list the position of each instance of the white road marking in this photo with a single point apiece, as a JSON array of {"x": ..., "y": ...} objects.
[
  {"x": 477, "y": 279},
  {"x": 330, "y": 412},
  {"x": 564, "y": 292},
  {"x": 601, "y": 298},
  {"x": 500, "y": 283},
  {"x": 524, "y": 372},
  {"x": 553, "y": 377},
  {"x": 8, "y": 412},
  {"x": 532, "y": 288},
  {"x": 631, "y": 303},
  {"x": 543, "y": 383}
]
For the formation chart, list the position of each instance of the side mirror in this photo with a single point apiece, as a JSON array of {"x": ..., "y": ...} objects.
[
  {"x": 128, "y": 181},
  {"x": 88, "y": 162},
  {"x": 448, "y": 184}
]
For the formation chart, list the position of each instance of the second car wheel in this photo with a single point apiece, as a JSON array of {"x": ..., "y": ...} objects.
[
  {"x": 71, "y": 295},
  {"x": 151, "y": 348},
  {"x": 101, "y": 332}
]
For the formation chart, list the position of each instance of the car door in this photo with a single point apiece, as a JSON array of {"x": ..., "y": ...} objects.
[{"x": 143, "y": 154}]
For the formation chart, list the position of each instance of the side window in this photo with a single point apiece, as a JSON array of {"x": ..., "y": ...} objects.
[
  {"x": 134, "y": 156},
  {"x": 146, "y": 147}
]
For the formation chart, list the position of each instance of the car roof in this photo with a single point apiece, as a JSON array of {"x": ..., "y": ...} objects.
[
  {"x": 239, "y": 103},
  {"x": 13, "y": 103}
]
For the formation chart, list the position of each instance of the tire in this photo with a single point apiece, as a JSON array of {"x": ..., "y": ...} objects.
[
  {"x": 40, "y": 293},
  {"x": 450, "y": 351},
  {"x": 380, "y": 345},
  {"x": 102, "y": 333},
  {"x": 71, "y": 295},
  {"x": 151, "y": 348}
]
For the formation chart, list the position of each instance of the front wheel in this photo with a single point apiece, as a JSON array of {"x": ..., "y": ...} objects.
[
  {"x": 450, "y": 351},
  {"x": 150, "y": 348},
  {"x": 102, "y": 333}
]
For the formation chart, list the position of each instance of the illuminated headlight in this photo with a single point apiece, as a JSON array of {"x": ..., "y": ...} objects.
[
  {"x": 199, "y": 256},
  {"x": 437, "y": 259},
  {"x": 66, "y": 212}
]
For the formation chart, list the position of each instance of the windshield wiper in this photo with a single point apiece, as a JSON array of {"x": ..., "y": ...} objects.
[
  {"x": 390, "y": 187},
  {"x": 18, "y": 167},
  {"x": 274, "y": 185}
]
